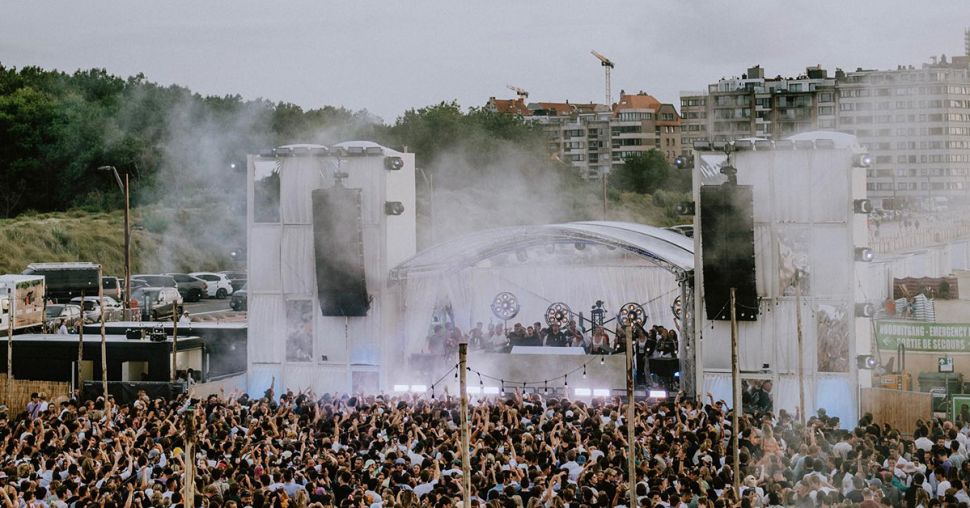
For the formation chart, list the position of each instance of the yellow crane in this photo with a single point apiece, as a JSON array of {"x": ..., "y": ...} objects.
[{"x": 608, "y": 66}]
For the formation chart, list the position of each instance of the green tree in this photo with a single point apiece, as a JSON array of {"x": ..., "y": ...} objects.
[{"x": 649, "y": 172}]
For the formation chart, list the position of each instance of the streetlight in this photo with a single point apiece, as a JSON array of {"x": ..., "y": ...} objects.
[{"x": 126, "y": 301}]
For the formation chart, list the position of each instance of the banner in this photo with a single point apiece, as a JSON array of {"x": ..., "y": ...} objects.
[{"x": 920, "y": 336}]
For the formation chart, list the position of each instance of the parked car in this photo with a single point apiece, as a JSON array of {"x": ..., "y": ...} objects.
[
  {"x": 111, "y": 286},
  {"x": 155, "y": 281},
  {"x": 92, "y": 309},
  {"x": 238, "y": 279},
  {"x": 158, "y": 303},
  {"x": 54, "y": 313},
  {"x": 218, "y": 284},
  {"x": 239, "y": 299},
  {"x": 191, "y": 288}
]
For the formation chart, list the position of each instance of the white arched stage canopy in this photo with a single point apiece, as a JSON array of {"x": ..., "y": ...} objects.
[{"x": 574, "y": 263}]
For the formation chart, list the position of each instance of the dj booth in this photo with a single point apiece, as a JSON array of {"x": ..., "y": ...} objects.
[{"x": 538, "y": 366}]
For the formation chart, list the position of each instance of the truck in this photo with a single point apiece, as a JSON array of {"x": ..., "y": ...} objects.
[
  {"x": 22, "y": 301},
  {"x": 67, "y": 280}
]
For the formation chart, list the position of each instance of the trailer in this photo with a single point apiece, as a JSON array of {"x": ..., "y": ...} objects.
[
  {"x": 64, "y": 281},
  {"x": 22, "y": 300}
]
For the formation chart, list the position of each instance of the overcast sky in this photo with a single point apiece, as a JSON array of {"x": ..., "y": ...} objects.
[{"x": 388, "y": 56}]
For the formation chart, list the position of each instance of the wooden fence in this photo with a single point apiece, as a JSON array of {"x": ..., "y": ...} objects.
[
  {"x": 21, "y": 389},
  {"x": 900, "y": 409}
]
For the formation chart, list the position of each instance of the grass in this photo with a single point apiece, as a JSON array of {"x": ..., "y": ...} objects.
[{"x": 99, "y": 237}]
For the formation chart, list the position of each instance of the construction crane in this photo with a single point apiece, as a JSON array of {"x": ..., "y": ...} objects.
[
  {"x": 608, "y": 66},
  {"x": 522, "y": 93}
]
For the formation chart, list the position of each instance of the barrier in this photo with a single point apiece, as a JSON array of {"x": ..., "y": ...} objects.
[{"x": 900, "y": 409}]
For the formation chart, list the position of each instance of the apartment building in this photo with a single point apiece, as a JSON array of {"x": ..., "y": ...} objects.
[
  {"x": 594, "y": 138},
  {"x": 916, "y": 124}
]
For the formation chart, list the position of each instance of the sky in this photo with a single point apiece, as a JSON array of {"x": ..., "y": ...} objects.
[{"x": 388, "y": 56}]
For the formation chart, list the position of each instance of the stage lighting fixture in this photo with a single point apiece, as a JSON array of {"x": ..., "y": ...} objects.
[
  {"x": 355, "y": 150},
  {"x": 490, "y": 390},
  {"x": 597, "y": 314},
  {"x": 862, "y": 206},
  {"x": 393, "y": 208},
  {"x": 865, "y": 310},
  {"x": 658, "y": 394},
  {"x": 232, "y": 165},
  {"x": 505, "y": 306},
  {"x": 867, "y": 362},
  {"x": 825, "y": 144},
  {"x": 702, "y": 146},
  {"x": 784, "y": 144},
  {"x": 862, "y": 160},
  {"x": 401, "y": 388},
  {"x": 269, "y": 153},
  {"x": 419, "y": 388},
  {"x": 864, "y": 254},
  {"x": 374, "y": 150},
  {"x": 583, "y": 392},
  {"x": 720, "y": 146},
  {"x": 580, "y": 245},
  {"x": 393, "y": 163},
  {"x": 283, "y": 151},
  {"x": 601, "y": 392},
  {"x": 686, "y": 208}
]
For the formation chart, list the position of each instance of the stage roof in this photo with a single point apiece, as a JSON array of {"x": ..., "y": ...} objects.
[{"x": 669, "y": 249}]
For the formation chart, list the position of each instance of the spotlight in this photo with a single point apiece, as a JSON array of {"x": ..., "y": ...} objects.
[
  {"x": 393, "y": 163},
  {"x": 862, "y": 206},
  {"x": 401, "y": 388},
  {"x": 658, "y": 394},
  {"x": 743, "y": 145},
  {"x": 355, "y": 150},
  {"x": 393, "y": 208},
  {"x": 702, "y": 146},
  {"x": 232, "y": 165},
  {"x": 864, "y": 254},
  {"x": 866, "y": 362},
  {"x": 283, "y": 151},
  {"x": 374, "y": 150},
  {"x": 580, "y": 245},
  {"x": 601, "y": 392},
  {"x": 686, "y": 208},
  {"x": 862, "y": 160},
  {"x": 419, "y": 388},
  {"x": 720, "y": 146},
  {"x": 583, "y": 392},
  {"x": 865, "y": 310}
]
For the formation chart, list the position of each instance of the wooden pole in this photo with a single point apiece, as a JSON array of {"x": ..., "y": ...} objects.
[
  {"x": 11, "y": 316},
  {"x": 603, "y": 179},
  {"x": 466, "y": 480},
  {"x": 80, "y": 348},
  {"x": 631, "y": 462},
  {"x": 104, "y": 339},
  {"x": 736, "y": 396},
  {"x": 126, "y": 304},
  {"x": 801, "y": 352},
  {"x": 175, "y": 344},
  {"x": 188, "y": 489}
]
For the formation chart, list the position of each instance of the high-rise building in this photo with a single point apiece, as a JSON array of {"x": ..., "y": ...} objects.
[
  {"x": 914, "y": 121},
  {"x": 594, "y": 138},
  {"x": 916, "y": 124}
]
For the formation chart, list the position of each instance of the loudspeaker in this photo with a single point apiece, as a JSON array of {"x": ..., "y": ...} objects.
[
  {"x": 727, "y": 240},
  {"x": 338, "y": 240}
]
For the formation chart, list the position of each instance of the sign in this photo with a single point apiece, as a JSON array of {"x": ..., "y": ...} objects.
[
  {"x": 944, "y": 364},
  {"x": 922, "y": 336}
]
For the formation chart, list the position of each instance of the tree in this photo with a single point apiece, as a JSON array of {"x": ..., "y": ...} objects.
[{"x": 649, "y": 172}]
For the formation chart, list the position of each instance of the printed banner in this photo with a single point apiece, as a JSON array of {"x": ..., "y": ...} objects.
[{"x": 918, "y": 336}]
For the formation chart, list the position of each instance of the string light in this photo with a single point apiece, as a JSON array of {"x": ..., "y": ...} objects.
[
  {"x": 565, "y": 380},
  {"x": 502, "y": 389},
  {"x": 602, "y": 360},
  {"x": 545, "y": 387},
  {"x": 584, "y": 371}
]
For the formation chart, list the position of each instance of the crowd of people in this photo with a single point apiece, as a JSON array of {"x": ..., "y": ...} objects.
[{"x": 526, "y": 450}]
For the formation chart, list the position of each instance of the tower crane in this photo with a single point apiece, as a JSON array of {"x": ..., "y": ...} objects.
[
  {"x": 522, "y": 93},
  {"x": 608, "y": 66}
]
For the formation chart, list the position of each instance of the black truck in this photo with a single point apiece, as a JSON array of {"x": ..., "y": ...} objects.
[{"x": 67, "y": 280}]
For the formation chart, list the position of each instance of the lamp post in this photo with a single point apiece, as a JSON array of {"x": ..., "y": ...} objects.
[{"x": 126, "y": 302}]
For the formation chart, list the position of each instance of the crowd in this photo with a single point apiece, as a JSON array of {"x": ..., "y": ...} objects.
[{"x": 300, "y": 450}]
